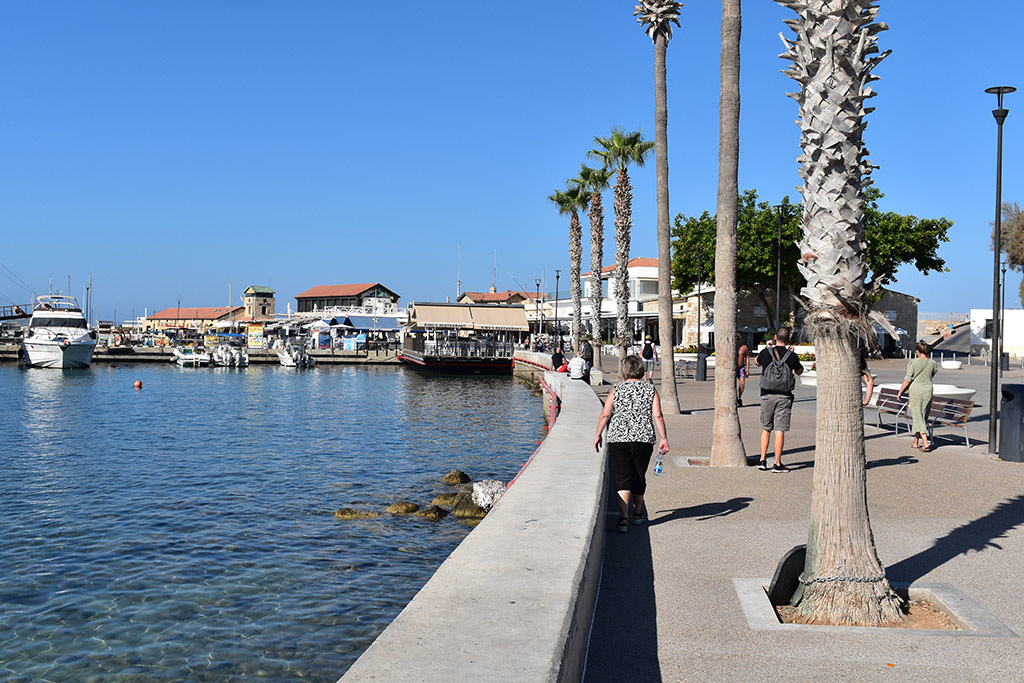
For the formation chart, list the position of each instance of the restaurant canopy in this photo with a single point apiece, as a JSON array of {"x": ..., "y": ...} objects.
[
  {"x": 367, "y": 323},
  {"x": 482, "y": 317}
]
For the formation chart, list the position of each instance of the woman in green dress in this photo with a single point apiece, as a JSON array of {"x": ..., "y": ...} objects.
[{"x": 920, "y": 371}]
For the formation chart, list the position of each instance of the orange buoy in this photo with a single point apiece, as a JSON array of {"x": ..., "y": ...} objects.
[{"x": 138, "y": 384}]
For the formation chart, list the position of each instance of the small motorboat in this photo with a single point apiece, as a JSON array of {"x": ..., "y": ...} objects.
[{"x": 191, "y": 356}]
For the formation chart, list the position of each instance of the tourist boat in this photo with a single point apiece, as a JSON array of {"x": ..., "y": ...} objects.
[
  {"x": 462, "y": 338},
  {"x": 58, "y": 334},
  {"x": 191, "y": 356}
]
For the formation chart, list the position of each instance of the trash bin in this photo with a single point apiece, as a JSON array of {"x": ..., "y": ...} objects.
[
  {"x": 1004, "y": 362},
  {"x": 1011, "y": 423},
  {"x": 702, "y": 367}
]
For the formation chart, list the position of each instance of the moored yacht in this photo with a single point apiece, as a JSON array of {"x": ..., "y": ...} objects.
[{"x": 58, "y": 335}]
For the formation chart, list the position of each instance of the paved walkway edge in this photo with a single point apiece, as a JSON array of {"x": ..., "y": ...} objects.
[{"x": 515, "y": 600}]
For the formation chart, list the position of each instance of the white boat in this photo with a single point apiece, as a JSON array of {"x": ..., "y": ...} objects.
[
  {"x": 228, "y": 355},
  {"x": 293, "y": 356},
  {"x": 190, "y": 356},
  {"x": 58, "y": 335}
]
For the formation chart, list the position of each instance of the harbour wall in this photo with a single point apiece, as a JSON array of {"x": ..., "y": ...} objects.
[
  {"x": 531, "y": 365},
  {"x": 515, "y": 600}
]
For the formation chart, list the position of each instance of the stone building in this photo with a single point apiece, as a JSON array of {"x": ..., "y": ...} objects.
[
  {"x": 371, "y": 297},
  {"x": 258, "y": 302}
]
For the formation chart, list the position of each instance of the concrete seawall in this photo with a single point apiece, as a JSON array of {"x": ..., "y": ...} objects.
[{"x": 514, "y": 601}]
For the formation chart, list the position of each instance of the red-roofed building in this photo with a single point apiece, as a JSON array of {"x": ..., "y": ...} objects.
[
  {"x": 193, "y": 318},
  {"x": 492, "y": 297},
  {"x": 369, "y": 295}
]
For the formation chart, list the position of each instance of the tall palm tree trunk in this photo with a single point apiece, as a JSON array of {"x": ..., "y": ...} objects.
[
  {"x": 623, "y": 225},
  {"x": 575, "y": 282},
  {"x": 669, "y": 397},
  {"x": 596, "y": 264},
  {"x": 727, "y": 445},
  {"x": 843, "y": 579}
]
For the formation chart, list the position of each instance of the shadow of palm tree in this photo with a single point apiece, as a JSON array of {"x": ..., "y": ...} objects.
[
  {"x": 976, "y": 535},
  {"x": 703, "y": 511}
]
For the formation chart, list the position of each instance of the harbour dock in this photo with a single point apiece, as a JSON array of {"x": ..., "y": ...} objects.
[{"x": 163, "y": 354}]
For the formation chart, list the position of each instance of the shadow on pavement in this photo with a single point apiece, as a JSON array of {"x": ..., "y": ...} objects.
[
  {"x": 624, "y": 636},
  {"x": 976, "y": 535},
  {"x": 703, "y": 511}
]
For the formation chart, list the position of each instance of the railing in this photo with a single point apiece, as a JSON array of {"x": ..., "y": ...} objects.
[
  {"x": 15, "y": 312},
  {"x": 467, "y": 348}
]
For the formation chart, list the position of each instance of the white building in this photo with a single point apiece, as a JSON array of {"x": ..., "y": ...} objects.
[{"x": 1012, "y": 332}]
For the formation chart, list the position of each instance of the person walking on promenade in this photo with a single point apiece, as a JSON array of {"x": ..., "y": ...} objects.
[
  {"x": 778, "y": 365},
  {"x": 650, "y": 354},
  {"x": 588, "y": 352},
  {"x": 865, "y": 374},
  {"x": 920, "y": 371},
  {"x": 631, "y": 412},
  {"x": 742, "y": 367}
]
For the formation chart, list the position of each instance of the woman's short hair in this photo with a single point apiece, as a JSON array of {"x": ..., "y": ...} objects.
[
  {"x": 922, "y": 347},
  {"x": 632, "y": 367}
]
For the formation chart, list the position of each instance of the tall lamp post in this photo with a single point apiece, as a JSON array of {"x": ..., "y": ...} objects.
[
  {"x": 537, "y": 311},
  {"x": 558, "y": 330},
  {"x": 779, "y": 208},
  {"x": 997, "y": 357}
]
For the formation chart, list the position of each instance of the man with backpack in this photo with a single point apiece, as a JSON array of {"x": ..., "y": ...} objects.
[
  {"x": 649, "y": 355},
  {"x": 779, "y": 367}
]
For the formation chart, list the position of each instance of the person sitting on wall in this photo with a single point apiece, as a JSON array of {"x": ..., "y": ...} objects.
[
  {"x": 578, "y": 368},
  {"x": 558, "y": 360}
]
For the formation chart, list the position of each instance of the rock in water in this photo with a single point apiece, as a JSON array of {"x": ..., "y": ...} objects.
[
  {"x": 446, "y": 500},
  {"x": 465, "y": 508},
  {"x": 433, "y": 513},
  {"x": 349, "y": 513},
  {"x": 456, "y": 477},
  {"x": 402, "y": 507},
  {"x": 487, "y": 492}
]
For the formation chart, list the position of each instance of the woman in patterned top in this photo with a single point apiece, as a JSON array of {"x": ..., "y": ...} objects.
[{"x": 631, "y": 412}]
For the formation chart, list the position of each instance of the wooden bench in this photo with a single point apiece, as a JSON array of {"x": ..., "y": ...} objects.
[
  {"x": 950, "y": 412},
  {"x": 889, "y": 404}
]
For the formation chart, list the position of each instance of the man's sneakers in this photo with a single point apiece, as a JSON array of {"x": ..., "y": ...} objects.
[
  {"x": 763, "y": 465},
  {"x": 779, "y": 469}
]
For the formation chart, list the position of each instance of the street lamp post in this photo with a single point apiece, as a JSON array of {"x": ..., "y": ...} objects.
[
  {"x": 536, "y": 304},
  {"x": 1000, "y": 115},
  {"x": 558, "y": 330},
  {"x": 779, "y": 208}
]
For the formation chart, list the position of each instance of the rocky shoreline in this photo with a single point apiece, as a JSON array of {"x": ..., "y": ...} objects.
[{"x": 470, "y": 502}]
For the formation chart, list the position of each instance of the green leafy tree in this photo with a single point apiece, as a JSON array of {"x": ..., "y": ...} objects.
[
  {"x": 1012, "y": 233},
  {"x": 892, "y": 240}
]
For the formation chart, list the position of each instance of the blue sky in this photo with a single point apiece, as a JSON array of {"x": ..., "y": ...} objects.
[{"x": 179, "y": 146}]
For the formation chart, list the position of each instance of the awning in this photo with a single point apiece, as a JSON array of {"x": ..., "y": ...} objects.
[
  {"x": 380, "y": 323},
  {"x": 509, "y": 318},
  {"x": 441, "y": 315}
]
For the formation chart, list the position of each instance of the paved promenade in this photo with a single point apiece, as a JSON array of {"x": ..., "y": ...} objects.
[{"x": 668, "y": 609}]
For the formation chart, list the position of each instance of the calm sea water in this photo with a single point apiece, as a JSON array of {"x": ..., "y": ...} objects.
[{"x": 186, "y": 531}]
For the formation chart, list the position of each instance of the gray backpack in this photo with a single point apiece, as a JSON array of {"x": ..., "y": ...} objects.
[{"x": 778, "y": 377}]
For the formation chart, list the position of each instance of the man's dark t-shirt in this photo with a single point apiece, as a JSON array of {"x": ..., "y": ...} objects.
[
  {"x": 557, "y": 360},
  {"x": 765, "y": 357}
]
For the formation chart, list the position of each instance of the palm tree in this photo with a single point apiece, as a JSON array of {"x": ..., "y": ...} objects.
[
  {"x": 657, "y": 17},
  {"x": 595, "y": 180},
  {"x": 618, "y": 152},
  {"x": 570, "y": 203},
  {"x": 727, "y": 445},
  {"x": 833, "y": 55}
]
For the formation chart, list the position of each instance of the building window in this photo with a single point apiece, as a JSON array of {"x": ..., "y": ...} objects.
[
  {"x": 759, "y": 312},
  {"x": 890, "y": 315},
  {"x": 988, "y": 328}
]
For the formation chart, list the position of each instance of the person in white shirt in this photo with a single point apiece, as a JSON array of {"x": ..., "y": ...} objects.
[{"x": 577, "y": 367}]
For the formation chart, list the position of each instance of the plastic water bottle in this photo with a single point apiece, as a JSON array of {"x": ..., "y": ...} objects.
[{"x": 658, "y": 463}]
